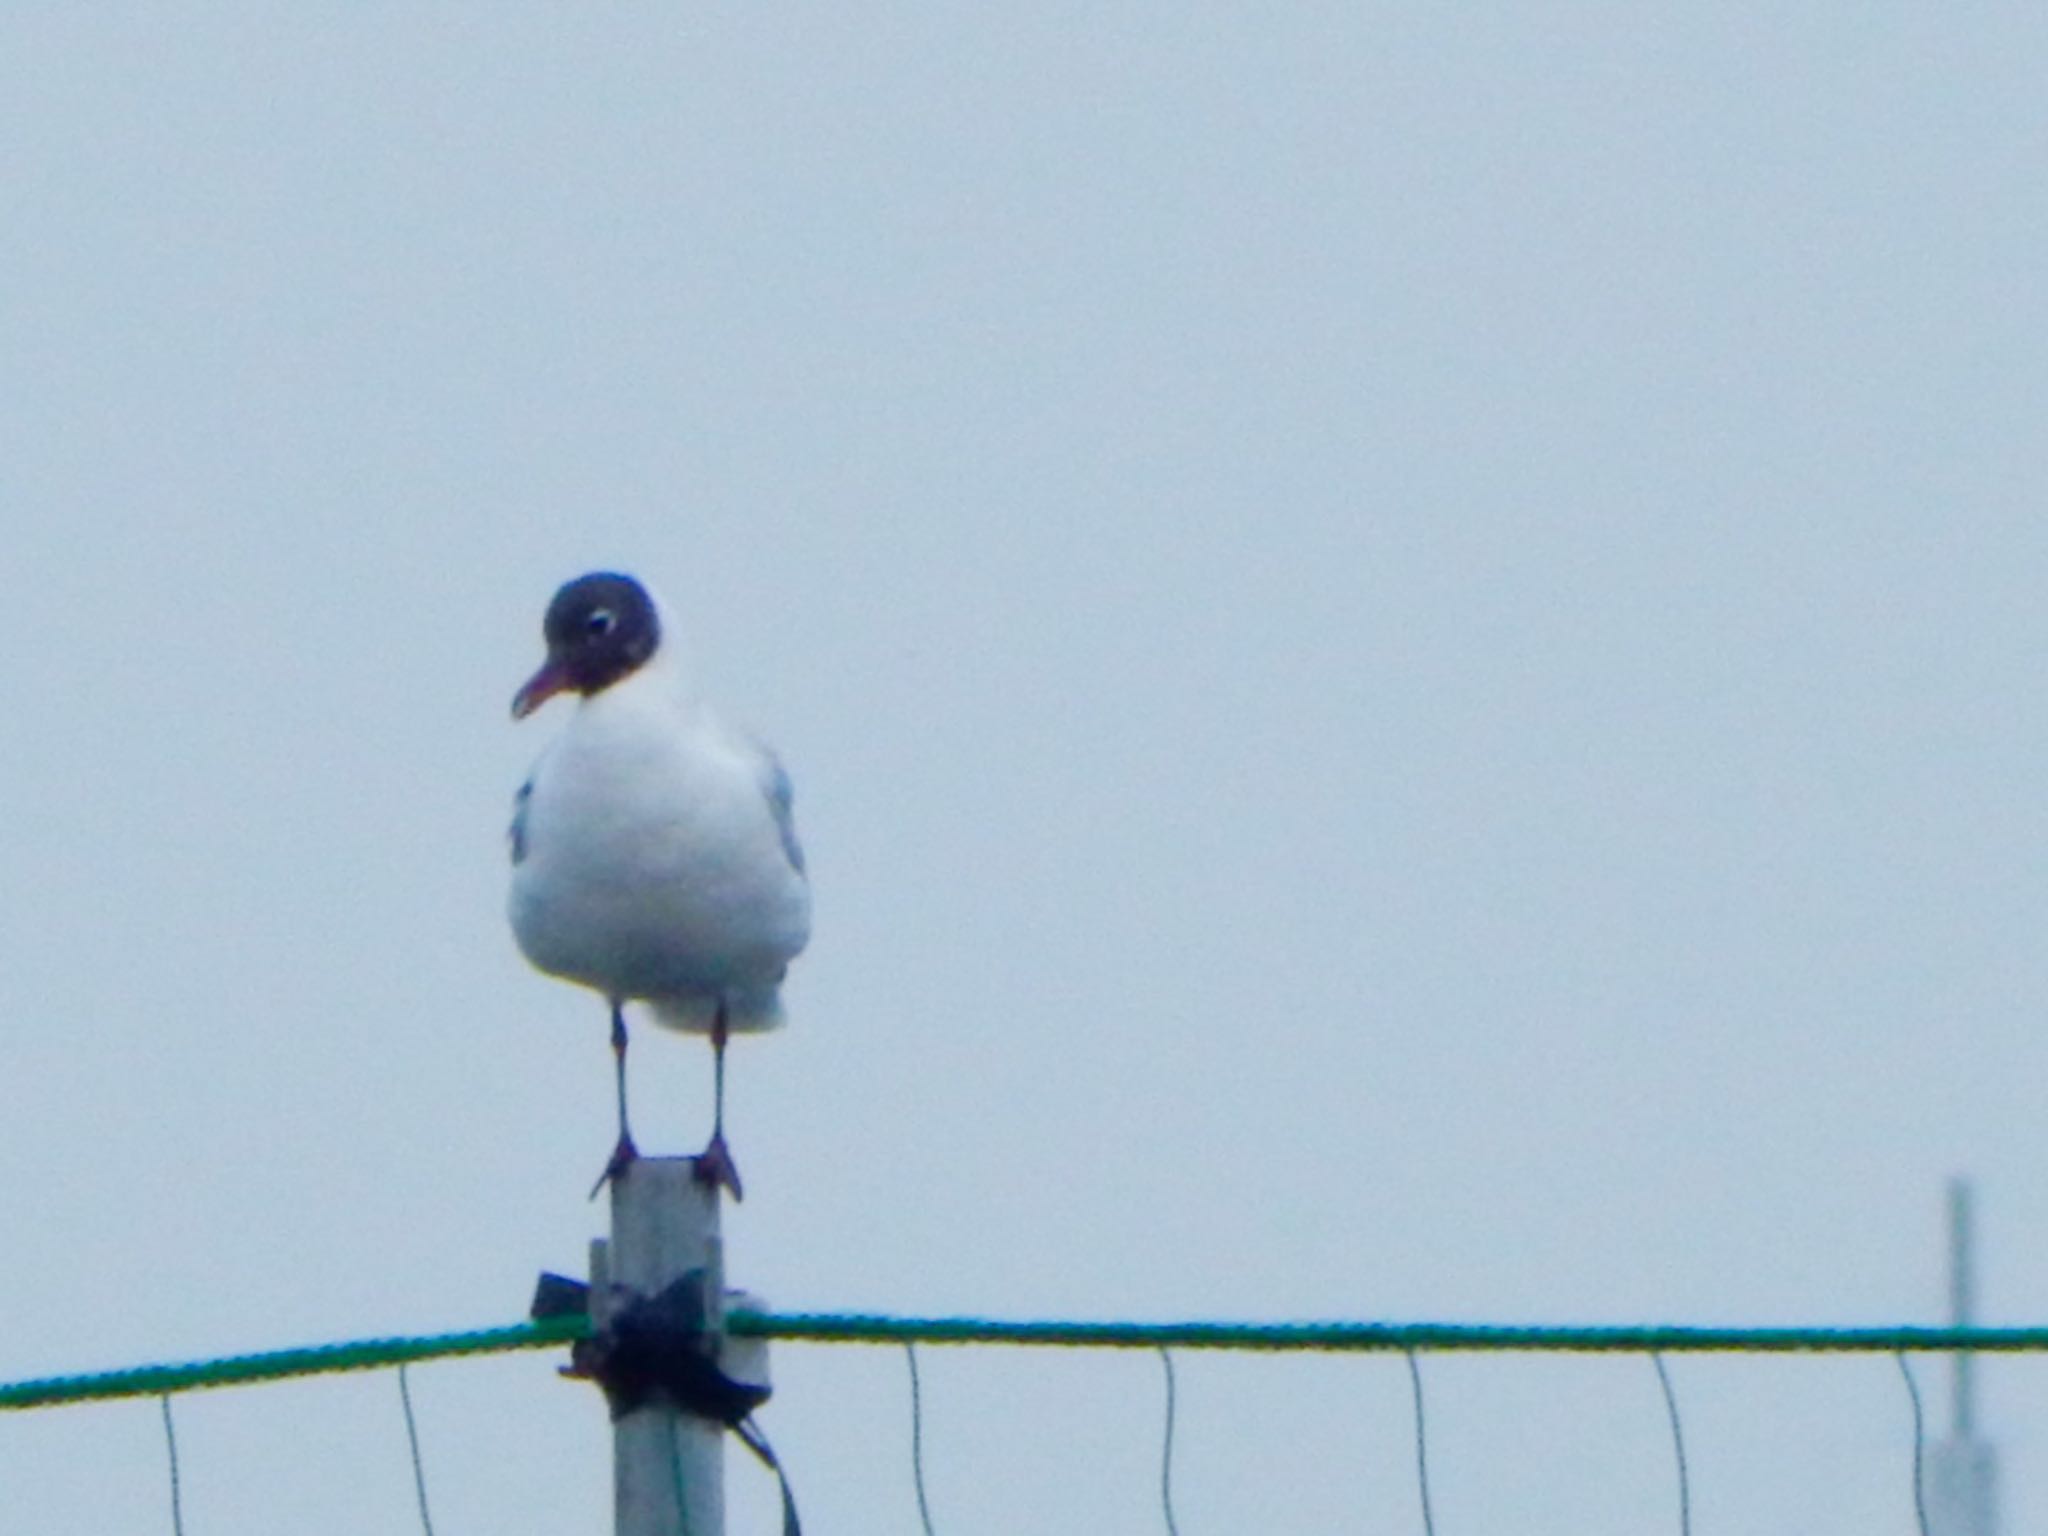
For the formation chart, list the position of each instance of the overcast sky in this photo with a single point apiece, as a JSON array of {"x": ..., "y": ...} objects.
[{"x": 1411, "y": 643}]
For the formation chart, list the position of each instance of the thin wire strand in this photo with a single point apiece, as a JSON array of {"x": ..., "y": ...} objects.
[
  {"x": 1166, "y": 1454},
  {"x": 1919, "y": 1443},
  {"x": 1677, "y": 1446},
  {"x": 412, "y": 1437},
  {"x": 752, "y": 1437},
  {"x": 1421, "y": 1445},
  {"x": 171, "y": 1441},
  {"x": 924, "y": 1509}
]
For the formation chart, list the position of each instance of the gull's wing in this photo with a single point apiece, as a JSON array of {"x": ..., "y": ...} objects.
[
  {"x": 517, "y": 831},
  {"x": 781, "y": 797}
]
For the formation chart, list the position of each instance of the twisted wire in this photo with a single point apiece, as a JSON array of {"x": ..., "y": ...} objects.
[
  {"x": 862, "y": 1328},
  {"x": 872, "y": 1328},
  {"x": 277, "y": 1365}
]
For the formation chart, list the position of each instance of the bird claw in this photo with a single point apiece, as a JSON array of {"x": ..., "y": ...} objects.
[
  {"x": 624, "y": 1155},
  {"x": 714, "y": 1166}
]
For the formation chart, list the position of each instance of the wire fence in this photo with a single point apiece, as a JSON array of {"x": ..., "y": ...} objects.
[
  {"x": 873, "y": 1328},
  {"x": 1409, "y": 1340}
]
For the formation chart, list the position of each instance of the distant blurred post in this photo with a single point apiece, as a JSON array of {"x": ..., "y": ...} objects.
[{"x": 1962, "y": 1470}]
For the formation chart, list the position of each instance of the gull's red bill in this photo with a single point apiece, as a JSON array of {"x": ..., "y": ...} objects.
[{"x": 551, "y": 679}]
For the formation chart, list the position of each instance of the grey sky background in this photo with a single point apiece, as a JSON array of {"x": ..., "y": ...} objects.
[{"x": 1411, "y": 643}]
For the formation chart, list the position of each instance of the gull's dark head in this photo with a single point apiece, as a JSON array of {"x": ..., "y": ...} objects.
[{"x": 599, "y": 628}]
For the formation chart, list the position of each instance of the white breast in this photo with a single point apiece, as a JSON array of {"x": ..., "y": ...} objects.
[{"x": 651, "y": 861}]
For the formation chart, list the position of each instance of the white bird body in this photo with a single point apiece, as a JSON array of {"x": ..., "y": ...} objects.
[
  {"x": 654, "y": 857},
  {"x": 655, "y": 860}
]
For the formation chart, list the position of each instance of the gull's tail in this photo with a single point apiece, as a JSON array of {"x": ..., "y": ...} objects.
[{"x": 748, "y": 1011}]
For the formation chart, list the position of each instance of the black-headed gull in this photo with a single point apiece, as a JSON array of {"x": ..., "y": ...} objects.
[{"x": 654, "y": 858}]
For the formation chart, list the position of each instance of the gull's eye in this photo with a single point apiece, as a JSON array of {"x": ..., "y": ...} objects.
[{"x": 602, "y": 621}]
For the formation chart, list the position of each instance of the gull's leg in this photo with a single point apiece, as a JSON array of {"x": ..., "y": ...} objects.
[
  {"x": 624, "y": 1153},
  {"x": 714, "y": 1165}
]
